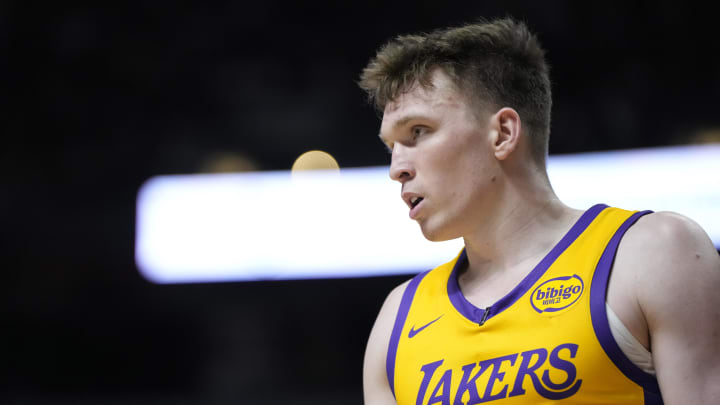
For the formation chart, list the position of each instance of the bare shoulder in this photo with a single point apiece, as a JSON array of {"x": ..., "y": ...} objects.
[
  {"x": 666, "y": 227},
  {"x": 667, "y": 240},
  {"x": 390, "y": 307},
  {"x": 394, "y": 297},
  {"x": 385, "y": 320},
  {"x": 674, "y": 276},
  {"x": 376, "y": 388},
  {"x": 662, "y": 252}
]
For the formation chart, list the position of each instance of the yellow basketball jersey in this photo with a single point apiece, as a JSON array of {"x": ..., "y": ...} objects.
[{"x": 547, "y": 341}]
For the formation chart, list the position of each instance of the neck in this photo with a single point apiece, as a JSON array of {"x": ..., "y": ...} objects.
[{"x": 524, "y": 227}]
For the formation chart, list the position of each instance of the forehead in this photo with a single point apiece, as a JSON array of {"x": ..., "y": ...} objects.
[
  {"x": 422, "y": 101},
  {"x": 441, "y": 91}
]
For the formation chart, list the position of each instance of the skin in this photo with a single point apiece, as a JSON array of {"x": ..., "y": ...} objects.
[{"x": 474, "y": 170}]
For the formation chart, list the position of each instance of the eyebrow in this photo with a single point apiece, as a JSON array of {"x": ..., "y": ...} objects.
[{"x": 401, "y": 123}]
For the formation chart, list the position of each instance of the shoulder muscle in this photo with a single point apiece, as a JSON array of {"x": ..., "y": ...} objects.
[
  {"x": 376, "y": 388},
  {"x": 677, "y": 276}
]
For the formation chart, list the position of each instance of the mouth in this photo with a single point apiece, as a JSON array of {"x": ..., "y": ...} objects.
[
  {"x": 416, "y": 206},
  {"x": 415, "y": 201}
]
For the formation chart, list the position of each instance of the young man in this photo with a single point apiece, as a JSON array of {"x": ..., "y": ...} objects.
[{"x": 545, "y": 303}]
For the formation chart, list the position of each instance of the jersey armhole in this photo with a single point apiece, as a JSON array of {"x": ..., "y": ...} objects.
[
  {"x": 601, "y": 325},
  {"x": 400, "y": 318}
]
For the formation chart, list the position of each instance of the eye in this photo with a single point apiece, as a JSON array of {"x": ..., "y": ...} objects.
[{"x": 418, "y": 131}]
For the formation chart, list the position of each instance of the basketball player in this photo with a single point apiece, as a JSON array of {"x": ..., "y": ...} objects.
[{"x": 545, "y": 303}]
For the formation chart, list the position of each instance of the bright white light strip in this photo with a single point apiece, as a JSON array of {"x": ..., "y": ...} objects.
[
  {"x": 274, "y": 225},
  {"x": 684, "y": 179}
]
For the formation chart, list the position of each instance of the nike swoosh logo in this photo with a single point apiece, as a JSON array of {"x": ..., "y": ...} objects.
[{"x": 414, "y": 331}]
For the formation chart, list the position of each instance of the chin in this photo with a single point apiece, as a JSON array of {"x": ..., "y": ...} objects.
[{"x": 436, "y": 233}]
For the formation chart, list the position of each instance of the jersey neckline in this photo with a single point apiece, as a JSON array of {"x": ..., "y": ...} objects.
[{"x": 479, "y": 315}]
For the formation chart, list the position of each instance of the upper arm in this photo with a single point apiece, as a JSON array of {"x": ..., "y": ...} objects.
[
  {"x": 678, "y": 296},
  {"x": 376, "y": 389}
]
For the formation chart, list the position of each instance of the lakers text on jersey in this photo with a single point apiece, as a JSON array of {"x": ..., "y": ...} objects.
[{"x": 546, "y": 341}]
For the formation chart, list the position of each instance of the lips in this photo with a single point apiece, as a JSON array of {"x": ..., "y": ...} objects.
[
  {"x": 411, "y": 199},
  {"x": 414, "y": 201},
  {"x": 416, "y": 207}
]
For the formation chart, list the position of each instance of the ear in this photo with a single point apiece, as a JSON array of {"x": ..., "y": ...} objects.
[{"x": 506, "y": 126}]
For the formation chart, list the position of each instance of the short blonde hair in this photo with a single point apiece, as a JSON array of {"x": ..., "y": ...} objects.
[{"x": 494, "y": 63}]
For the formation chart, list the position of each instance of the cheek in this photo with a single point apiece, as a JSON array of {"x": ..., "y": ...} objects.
[{"x": 472, "y": 168}]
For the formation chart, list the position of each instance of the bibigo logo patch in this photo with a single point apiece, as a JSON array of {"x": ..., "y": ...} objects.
[{"x": 557, "y": 294}]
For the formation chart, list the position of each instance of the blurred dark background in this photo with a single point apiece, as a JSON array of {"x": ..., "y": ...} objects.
[{"x": 97, "y": 98}]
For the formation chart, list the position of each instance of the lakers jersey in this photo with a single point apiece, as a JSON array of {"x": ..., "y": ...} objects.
[{"x": 546, "y": 341}]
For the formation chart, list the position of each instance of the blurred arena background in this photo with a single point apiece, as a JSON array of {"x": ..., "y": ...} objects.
[{"x": 98, "y": 98}]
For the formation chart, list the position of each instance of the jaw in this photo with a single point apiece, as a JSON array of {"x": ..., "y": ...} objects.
[{"x": 434, "y": 230}]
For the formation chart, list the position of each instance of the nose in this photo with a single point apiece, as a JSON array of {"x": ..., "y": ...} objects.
[{"x": 401, "y": 168}]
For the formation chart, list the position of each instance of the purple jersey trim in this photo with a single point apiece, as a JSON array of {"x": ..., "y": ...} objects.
[
  {"x": 477, "y": 315},
  {"x": 598, "y": 294},
  {"x": 398, "y": 327}
]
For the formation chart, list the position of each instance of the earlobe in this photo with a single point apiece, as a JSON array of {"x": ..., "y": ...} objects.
[{"x": 506, "y": 123}]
